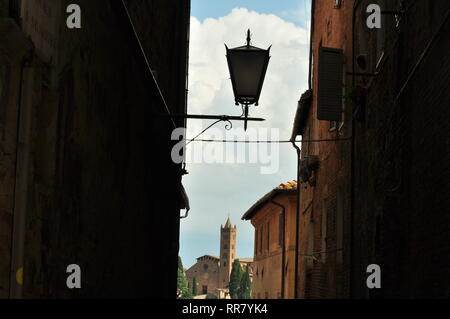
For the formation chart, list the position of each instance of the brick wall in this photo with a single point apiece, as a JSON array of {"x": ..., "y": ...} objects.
[
  {"x": 325, "y": 207},
  {"x": 394, "y": 172},
  {"x": 401, "y": 218}
]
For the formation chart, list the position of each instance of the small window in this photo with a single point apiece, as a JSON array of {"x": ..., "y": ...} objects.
[
  {"x": 224, "y": 263},
  {"x": 261, "y": 239},
  {"x": 204, "y": 290},
  {"x": 205, "y": 267},
  {"x": 225, "y": 246},
  {"x": 256, "y": 241}
]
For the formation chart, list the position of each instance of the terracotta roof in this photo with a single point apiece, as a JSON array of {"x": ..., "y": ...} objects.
[
  {"x": 211, "y": 256},
  {"x": 288, "y": 187}
]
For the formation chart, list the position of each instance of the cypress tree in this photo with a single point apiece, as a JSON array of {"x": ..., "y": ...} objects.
[
  {"x": 194, "y": 287},
  {"x": 182, "y": 283},
  {"x": 235, "y": 279},
  {"x": 246, "y": 285}
]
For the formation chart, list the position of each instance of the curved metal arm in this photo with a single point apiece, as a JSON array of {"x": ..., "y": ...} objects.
[{"x": 228, "y": 126}]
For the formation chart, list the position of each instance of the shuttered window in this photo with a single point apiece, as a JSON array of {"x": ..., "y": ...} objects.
[{"x": 329, "y": 92}]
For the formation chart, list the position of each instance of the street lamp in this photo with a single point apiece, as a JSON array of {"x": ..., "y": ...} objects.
[{"x": 248, "y": 66}]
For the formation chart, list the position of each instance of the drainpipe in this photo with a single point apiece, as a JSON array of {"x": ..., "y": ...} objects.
[
  {"x": 352, "y": 162},
  {"x": 297, "y": 220},
  {"x": 299, "y": 155},
  {"x": 283, "y": 253}
]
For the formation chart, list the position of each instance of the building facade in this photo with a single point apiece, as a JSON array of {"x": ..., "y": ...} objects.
[
  {"x": 84, "y": 122},
  {"x": 212, "y": 273},
  {"x": 274, "y": 219},
  {"x": 373, "y": 162}
]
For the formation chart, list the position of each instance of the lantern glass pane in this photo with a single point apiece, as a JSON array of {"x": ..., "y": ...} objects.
[{"x": 248, "y": 70}]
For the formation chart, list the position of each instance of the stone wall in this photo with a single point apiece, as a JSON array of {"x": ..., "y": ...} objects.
[{"x": 97, "y": 152}]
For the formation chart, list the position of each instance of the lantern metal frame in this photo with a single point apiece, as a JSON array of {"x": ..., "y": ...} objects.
[{"x": 248, "y": 100}]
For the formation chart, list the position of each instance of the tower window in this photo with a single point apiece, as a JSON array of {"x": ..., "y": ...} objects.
[
  {"x": 225, "y": 246},
  {"x": 205, "y": 267},
  {"x": 224, "y": 263}
]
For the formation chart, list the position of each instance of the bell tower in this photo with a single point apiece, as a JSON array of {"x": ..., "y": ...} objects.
[{"x": 227, "y": 252}]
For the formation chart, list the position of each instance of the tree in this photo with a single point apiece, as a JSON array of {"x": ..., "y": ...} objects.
[
  {"x": 194, "y": 287},
  {"x": 182, "y": 284},
  {"x": 235, "y": 279},
  {"x": 245, "y": 288}
]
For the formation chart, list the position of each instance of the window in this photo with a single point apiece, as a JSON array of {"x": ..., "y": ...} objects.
[
  {"x": 205, "y": 267},
  {"x": 268, "y": 237},
  {"x": 256, "y": 241},
  {"x": 225, "y": 246},
  {"x": 224, "y": 263},
  {"x": 280, "y": 229},
  {"x": 261, "y": 239},
  {"x": 14, "y": 9},
  {"x": 3, "y": 81},
  {"x": 324, "y": 232},
  {"x": 329, "y": 91},
  {"x": 204, "y": 290}
]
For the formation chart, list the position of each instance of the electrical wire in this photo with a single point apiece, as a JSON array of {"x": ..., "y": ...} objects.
[{"x": 268, "y": 142}]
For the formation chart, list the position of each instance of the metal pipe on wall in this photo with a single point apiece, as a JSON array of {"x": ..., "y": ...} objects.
[{"x": 283, "y": 252}]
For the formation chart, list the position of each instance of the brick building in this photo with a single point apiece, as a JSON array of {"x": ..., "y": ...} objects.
[
  {"x": 212, "y": 273},
  {"x": 374, "y": 163},
  {"x": 84, "y": 156},
  {"x": 274, "y": 219}
]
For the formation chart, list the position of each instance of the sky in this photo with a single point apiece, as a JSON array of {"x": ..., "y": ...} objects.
[{"x": 228, "y": 188}]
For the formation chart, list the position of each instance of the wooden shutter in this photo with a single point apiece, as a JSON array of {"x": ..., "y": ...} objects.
[{"x": 329, "y": 96}]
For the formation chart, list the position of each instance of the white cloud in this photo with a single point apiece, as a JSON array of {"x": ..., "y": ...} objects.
[{"x": 210, "y": 89}]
